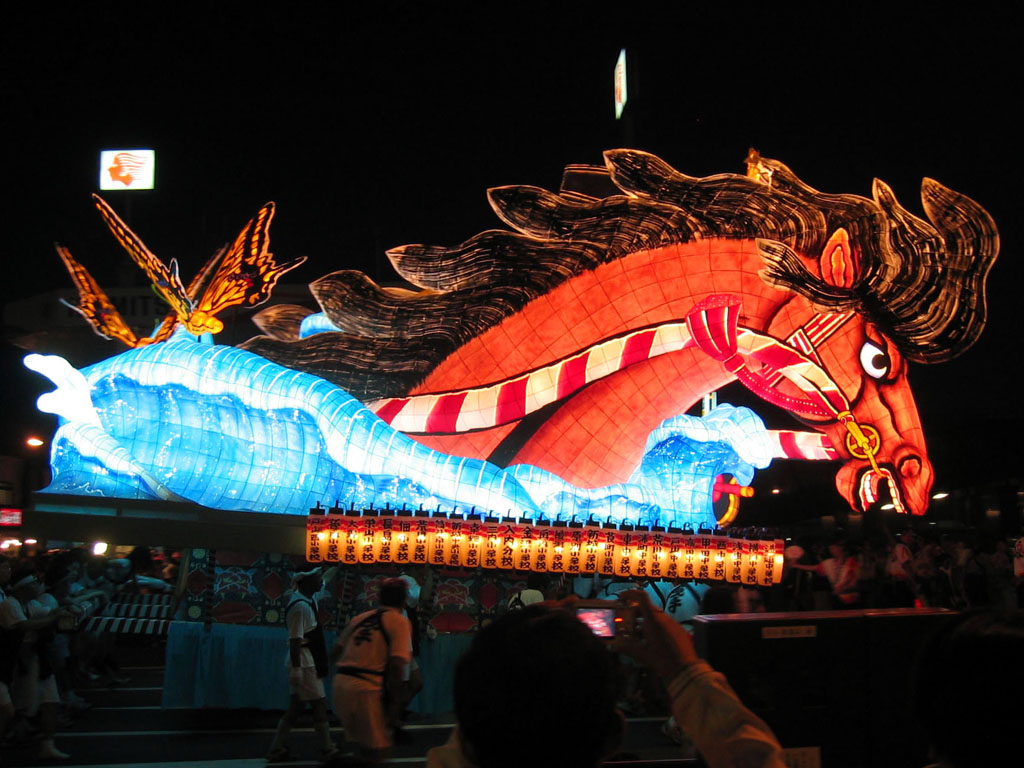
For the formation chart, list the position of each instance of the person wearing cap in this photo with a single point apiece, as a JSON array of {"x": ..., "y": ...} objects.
[
  {"x": 31, "y": 692},
  {"x": 372, "y": 654},
  {"x": 307, "y": 666}
]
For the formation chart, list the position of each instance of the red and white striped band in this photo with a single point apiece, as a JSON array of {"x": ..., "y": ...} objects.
[{"x": 512, "y": 399}]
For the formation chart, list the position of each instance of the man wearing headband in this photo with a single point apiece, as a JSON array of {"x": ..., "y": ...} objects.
[{"x": 307, "y": 666}]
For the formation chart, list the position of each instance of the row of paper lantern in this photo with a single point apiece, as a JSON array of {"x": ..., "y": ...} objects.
[{"x": 608, "y": 551}]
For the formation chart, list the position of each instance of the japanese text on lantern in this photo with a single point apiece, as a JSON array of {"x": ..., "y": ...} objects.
[{"x": 354, "y": 539}]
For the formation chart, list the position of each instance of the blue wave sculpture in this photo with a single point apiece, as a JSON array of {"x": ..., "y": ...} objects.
[{"x": 225, "y": 428}]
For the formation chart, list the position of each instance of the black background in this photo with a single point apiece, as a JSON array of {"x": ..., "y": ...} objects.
[{"x": 372, "y": 128}]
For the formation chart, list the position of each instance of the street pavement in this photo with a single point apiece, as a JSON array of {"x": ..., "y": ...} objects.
[{"x": 127, "y": 728}]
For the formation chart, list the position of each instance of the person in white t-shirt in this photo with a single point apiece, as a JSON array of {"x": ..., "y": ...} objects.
[
  {"x": 22, "y": 615},
  {"x": 899, "y": 573},
  {"x": 371, "y": 654},
  {"x": 307, "y": 666}
]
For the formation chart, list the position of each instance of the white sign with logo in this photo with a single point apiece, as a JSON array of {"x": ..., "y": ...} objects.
[{"x": 127, "y": 168}]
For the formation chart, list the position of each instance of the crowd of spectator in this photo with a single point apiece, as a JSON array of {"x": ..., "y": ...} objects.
[
  {"x": 49, "y": 653},
  {"x": 959, "y": 571}
]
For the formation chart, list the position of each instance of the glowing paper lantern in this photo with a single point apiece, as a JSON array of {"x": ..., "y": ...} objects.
[
  {"x": 735, "y": 553},
  {"x": 491, "y": 545},
  {"x": 421, "y": 546},
  {"x": 472, "y": 545},
  {"x": 720, "y": 558},
  {"x": 455, "y": 544},
  {"x": 556, "y": 549},
  {"x": 384, "y": 541},
  {"x": 393, "y": 538},
  {"x": 539, "y": 549},
  {"x": 524, "y": 553},
  {"x": 367, "y": 539},
  {"x": 606, "y": 550},
  {"x": 403, "y": 541},
  {"x": 673, "y": 551},
  {"x": 439, "y": 543},
  {"x": 688, "y": 558},
  {"x": 507, "y": 539},
  {"x": 574, "y": 550},
  {"x": 316, "y": 535},
  {"x": 350, "y": 541},
  {"x": 591, "y": 550}
]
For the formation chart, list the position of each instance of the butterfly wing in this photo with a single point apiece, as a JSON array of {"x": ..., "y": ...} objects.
[
  {"x": 245, "y": 276},
  {"x": 204, "y": 277},
  {"x": 165, "y": 280},
  {"x": 94, "y": 304}
]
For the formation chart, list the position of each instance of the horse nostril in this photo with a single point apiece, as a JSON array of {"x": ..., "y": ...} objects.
[{"x": 910, "y": 467}]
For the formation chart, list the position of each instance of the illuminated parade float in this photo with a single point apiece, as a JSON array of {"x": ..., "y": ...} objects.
[{"x": 524, "y": 407}]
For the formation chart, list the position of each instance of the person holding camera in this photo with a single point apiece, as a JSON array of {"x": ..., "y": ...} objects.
[{"x": 540, "y": 676}]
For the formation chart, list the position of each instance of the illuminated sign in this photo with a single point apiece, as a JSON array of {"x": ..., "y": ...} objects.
[
  {"x": 127, "y": 168},
  {"x": 10, "y": 517},
  {"x": 612, "y": 551},
  {"x": 620, "y": 84},
  {"x": 570, "y": 348}
]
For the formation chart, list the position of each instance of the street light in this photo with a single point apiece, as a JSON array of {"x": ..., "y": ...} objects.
[{"x": 34, "y": 442}]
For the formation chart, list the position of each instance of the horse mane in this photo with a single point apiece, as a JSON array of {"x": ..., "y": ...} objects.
[{"x": 922, "y": 283}]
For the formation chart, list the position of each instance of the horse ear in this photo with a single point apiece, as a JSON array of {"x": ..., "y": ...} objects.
[{"x": 839, "y": 265}]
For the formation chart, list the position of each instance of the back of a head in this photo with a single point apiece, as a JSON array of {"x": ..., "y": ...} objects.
[
  {"x": 959, "y": 668},
  {"x": 141, "y": 559},
  {"x": 393, "y": 593},
  {"x": 55, "y": 574},
  {"x": 718, "y": 599},
  {"x": 24, "y": 582},
  {"x": 537, "y": 688}
]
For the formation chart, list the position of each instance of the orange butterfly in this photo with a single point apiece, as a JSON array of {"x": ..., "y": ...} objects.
[
  {"x": 97, "y": 309},
  {"x": 243, "y": 274}
]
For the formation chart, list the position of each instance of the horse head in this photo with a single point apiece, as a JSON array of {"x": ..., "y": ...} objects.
[{"x": 913, "y": 291}]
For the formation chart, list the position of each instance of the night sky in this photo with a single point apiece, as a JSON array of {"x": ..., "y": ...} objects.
[{"x": 376, "y": 128}]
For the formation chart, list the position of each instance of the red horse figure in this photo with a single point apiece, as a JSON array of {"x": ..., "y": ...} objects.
[{"x": 623, "y": 299}]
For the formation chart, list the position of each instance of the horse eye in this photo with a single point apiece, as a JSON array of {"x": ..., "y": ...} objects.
[{"x": 874, "y": 361}]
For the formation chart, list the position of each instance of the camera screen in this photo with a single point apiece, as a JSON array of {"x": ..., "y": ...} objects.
[{"x": 600, "y": 620}]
